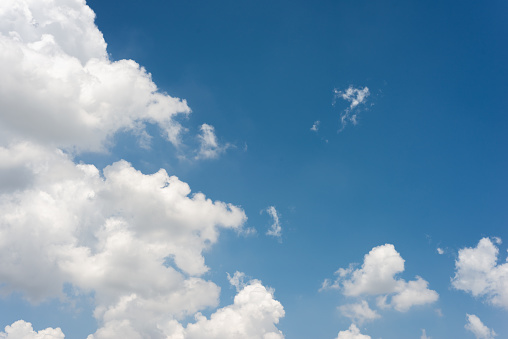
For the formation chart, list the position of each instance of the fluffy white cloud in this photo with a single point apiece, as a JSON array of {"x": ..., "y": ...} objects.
[
  {"x": 475, "y": 325},
  {"x": 209, "y": 145},
  {"x": 23, "y": 330},
  {"x": 134, "y": 242},
  {"x": 352, "y": 333},
  {"x": 275, "y": 229},
  {"x": 477, "y": 272},
  {"x": 110, "y": 234},
  {"x": 359, "y": 312},
  {"x": 355, "y": 97},
  {"x": 253, "y": 315},
  {"x": 59, "y": 88},
  {"x": 377, "y": 277}
]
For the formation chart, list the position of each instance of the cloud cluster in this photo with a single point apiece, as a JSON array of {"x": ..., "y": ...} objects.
[
  {"x": 475, "y": 325},
  {"x": 477, "y": 272},
  {"x": 133, "y": 242},
  {"x": 355, "y": 97},
  {"x": 377, "y": 277},
  {"x": 23, "y": 330}
]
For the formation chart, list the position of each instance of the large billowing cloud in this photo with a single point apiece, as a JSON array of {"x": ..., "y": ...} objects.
[
  {"x": 477, "y": 272},
  {"x": 377, "y": 277},
  {"x": 132, "y": 241},
  {"x": 58, "y": 86},
  {"x": 115, "y": 235}
]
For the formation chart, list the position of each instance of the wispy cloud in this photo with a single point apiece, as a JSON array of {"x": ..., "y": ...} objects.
[
  {"x": 275, "y": 229},
  {"x": 356, "y": 98},
  {"x": 210, "y": 147},
  {"x": 475, "y": 325},
  {"x": 315, "y": 126}
]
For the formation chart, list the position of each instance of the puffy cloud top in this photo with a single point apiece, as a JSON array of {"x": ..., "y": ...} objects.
[
  {"x": 477, "y": 272},
  {"x": 59, "y": 88}
]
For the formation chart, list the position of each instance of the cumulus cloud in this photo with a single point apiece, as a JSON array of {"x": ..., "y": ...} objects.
[
  {"x": 352, "y": 333},
  {"x": 110, "y": 234},
  {"x": 133, "y": 242},
  {"x": 59, "y": 88},
  {"x": 253, "y": 315},
  {"x": 209, "y": 145},
  {"x": 275, "y": 229},
  {"x": 315, "y": 126},
  {"x": 355, "y": 97},
  {"x": 440, "y": 251},
  {"x": 424, "y": 335},
  {"x": 24, "y": 330},
  {"x": 377, "y": 277},
  {"x": 477, "y": 272},
  {"x": 475, "y": 325},
  {"x": 359, "y": 312}
]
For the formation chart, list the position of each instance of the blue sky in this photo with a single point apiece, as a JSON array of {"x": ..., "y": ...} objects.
[{"x": 404, "y": 175}]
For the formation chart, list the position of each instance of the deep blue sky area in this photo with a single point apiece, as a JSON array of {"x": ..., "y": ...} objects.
[{"x": 424, "y": 168}]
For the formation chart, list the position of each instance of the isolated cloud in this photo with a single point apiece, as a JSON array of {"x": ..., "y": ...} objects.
[
  {"x": 275, "y": 229},
  {"x": 59, "y": 88},
  {"x": 424, "y": 335},
  {"x": 209, "y": 145},
  {"x": 475, "y": 325},
  {"x": 477, "y": 272},
  {"x": 355, "y": 97},
  {"x": 359, "y": 312},
  {"x": 377, "y": 277},
  {"x": 315, "y": 126},
  {"x": 23, "y": 330},
  {"x": 253, "y": 315},
  {"x": 352, "y": 333}
]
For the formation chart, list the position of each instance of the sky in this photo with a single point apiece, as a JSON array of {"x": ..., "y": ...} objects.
[{"x": 249, "y": 169}]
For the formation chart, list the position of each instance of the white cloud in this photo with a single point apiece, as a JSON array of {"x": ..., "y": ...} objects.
[
  {"x": 377, "y": 277},
  {"x": 440, "y": 251},
  {"x": 475, "y": 325},
  {"x": 315, "y": 126},
  {"x": 133, "y": 242},
  {"x": 355, "y": 97},
  {"x": 23, "y": 330},
  {"x": 253, "y": 315},
  {"x": 424, "y": 335},
  {"x": 110, "y": 235},
  {"x": 352, "y": 333},
  {"x": 209, "y": 145},
  {"x": 359, "y": 312},
  {"x": 477, "y": 272},
  {"x": 275, "y": 229},
  {"x": 59, "y": 88}
]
